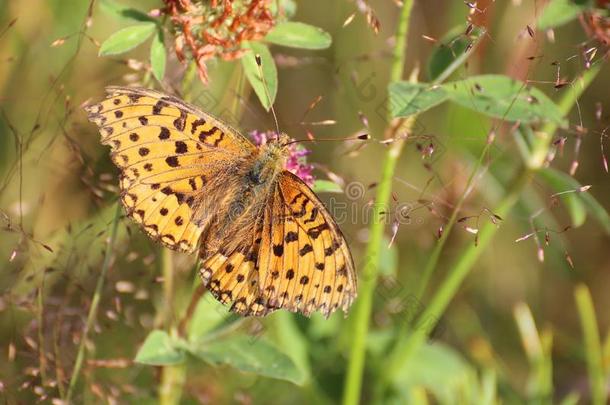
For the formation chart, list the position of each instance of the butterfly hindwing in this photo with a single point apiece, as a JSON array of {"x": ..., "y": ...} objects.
[
  {"x": 308, "y": 263},
  {"x": 167, "y": 151},
  {"x": 295, "y": 259},
  {"x": 232, "y": 277}
]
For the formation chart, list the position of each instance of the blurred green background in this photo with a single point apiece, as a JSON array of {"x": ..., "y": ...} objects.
[{"x": 58, "y": 190}]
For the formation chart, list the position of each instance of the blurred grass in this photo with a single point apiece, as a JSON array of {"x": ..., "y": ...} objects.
[{"x": 598, "y": 377}]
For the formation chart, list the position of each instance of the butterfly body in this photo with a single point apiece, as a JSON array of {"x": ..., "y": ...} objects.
[
  {"x": 269, "y": 161},
  {"x": 194, "y": 183},
  {"x": 244, "y": 190}
]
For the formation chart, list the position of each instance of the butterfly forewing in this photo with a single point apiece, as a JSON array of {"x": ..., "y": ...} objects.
[{"x": 167, "y": 151}]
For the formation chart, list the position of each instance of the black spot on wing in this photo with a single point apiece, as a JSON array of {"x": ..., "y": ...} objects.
[
  {"x": 317, "y": 230},
  {"x": 330, "y": 250},
  {"x": 133, "y": 97},
  {"x": 296, "y": 198},
  {"x": 198, "y": 122},
  {"x": 180, "y": 122},
  {"x": 203, "y": 135},
  {"x": 291, "y": 237},
  {"x": 181, "y": 147},
  {"x": 172, "y": 161},
  {"x": 164, "y": 134},
  {"x": 313, "y": 215},
  {"x": 306, "y": 249},
  {"x": 220, "y": 138},
  {"x": 278, "y": 250},
  {"x": 156, "y": 110}
]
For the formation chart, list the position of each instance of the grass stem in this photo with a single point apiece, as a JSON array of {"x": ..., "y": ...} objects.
[
  {"x": 364, "y": 305},
  {"x": 78, "y": 364},
  {"x": 172, "y": 377}
]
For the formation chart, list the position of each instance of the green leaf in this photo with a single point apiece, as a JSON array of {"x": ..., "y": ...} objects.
[
  {"x": 326, "y": 186},
  {"x": 438, "y": 368},
  {"x": 299, "y": 35},
  {"x": 158, "y": 55},
  {"x": 559, "y": 12},
  {"x": 209, "y": 313},
  {"x": 159, "y": 350},
  {"x": 122, "y": 12},
  {"x": 126, "y": 39},
  {"x": 408, "y": 98},
  {"x": 500, "y": 96},
  {"x": 319, "y": 327},
  {"x": 253, "y": 72},
  {"x": 453, "y": 50},
  {"x": 293, "y": 341},
  {"x": 592, "y": 206},
  {"x": 249, "y": 354}
]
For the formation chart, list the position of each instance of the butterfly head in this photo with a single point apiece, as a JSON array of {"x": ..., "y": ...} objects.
[
  {"x": 271, "y": 159},
  {"x": 283, "y": 152},
  {"x": 277, "y": 149}
]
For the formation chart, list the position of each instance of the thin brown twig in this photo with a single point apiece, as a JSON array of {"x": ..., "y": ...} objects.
[{"x": 197, "y": 294}]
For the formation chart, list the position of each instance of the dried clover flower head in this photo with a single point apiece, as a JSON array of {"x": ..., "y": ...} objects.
[{"x": 216, "y": 28}]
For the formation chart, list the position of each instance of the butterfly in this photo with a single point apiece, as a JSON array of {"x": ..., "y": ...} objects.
[{"x": 193, "y": 183}]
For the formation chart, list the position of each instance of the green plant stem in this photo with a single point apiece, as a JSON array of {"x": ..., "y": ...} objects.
[
  {"x": 363, "y": 308},
  {"x": 400, "y": 47},
  {"x": 593, "y": 348},
  {"x": 94, "y": 304},
  {"x": 172, "y": 377},
  {"x": 445, "y": 293},
  {"x": 167, "y": 270}
]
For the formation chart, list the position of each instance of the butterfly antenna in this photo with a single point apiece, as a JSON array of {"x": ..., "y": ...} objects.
[
  {"x": 363, "y": 137},
  {"x": 259, "y": 64}
]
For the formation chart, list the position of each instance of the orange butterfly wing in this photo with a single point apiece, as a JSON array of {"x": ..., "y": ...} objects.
[
  {"x": 298, "y": 259},
  {"x": 304, "y": 263},
  {"x": 167, "y": 151}
]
